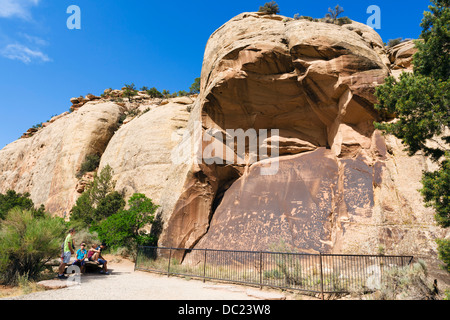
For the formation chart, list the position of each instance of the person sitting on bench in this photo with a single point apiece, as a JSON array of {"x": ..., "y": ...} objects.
[
  {"x": 95, "y": 255},
  {"x": 81, "y": 255}
]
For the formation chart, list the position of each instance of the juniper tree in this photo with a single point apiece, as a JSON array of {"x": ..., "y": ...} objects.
[
  {"x": 420, "y": 102},
  {"x": 270, "y": 8}
]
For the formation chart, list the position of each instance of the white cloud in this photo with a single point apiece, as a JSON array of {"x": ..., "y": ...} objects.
[
  {"x": 17, "y": 8},
  {"x": 23, "y": 53},
  {"x": 27, "y": 49},
  {"x": 33, "y": 39}
]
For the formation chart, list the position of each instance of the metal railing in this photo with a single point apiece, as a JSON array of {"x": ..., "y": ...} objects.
[{"x": 315, "y": 273}]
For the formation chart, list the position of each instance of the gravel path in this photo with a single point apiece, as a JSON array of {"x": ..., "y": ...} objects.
[{"x": 126, "y": 284}]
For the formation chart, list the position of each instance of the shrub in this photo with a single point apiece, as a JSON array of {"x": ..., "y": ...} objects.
[
  {"x": 344, "y": 20},
  {"x": 408, "y": 282},
  {"x": 154, "y": 93},
  {"x": 129, "y": 91},
  {"x": 27, "y": 243},
  {"x": 270, "y": 8},
  {"x": 182, "y": 93},
  {"x": 394, "y": 42},
  {"x": 306, "y": 18},
  {"x": 90, "y": 163}
]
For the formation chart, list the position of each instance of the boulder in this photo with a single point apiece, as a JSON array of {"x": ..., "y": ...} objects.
[
  {"x": 401, "y": 55},
  {"x": 183, "y": 100},
  {"x": 57, "y": 284},
  {"x": 91, "y": 97}
]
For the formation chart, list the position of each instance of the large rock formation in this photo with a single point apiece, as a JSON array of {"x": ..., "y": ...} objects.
[
  {"x": 311, "y": 80},
  {"x": 301, "y": 92},
  {"x": 340, "y": 187}
]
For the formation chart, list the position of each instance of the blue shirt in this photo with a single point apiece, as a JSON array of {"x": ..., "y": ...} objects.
[{"x": 81, "y": 253}]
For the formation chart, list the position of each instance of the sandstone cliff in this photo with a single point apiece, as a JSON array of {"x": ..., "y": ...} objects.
[{"x": 340, "y": 186}]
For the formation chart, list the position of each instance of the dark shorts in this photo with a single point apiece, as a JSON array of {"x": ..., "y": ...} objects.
[
  {"x": 101, "y": 261},
  {"x": 79, "y": 263}
]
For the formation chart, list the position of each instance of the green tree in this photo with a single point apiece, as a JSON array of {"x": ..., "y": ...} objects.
[
  {"x": 83, "y": 210},
  {"x": 109, "y": 205},
  {"x": 126, "y": 228},
  {"x": 433, "y": 56},
  {"x": 98, "y": 200},
  {"x": 270, "y": 8},
  {"x": 195, "y": 87},
  {"x": 12, "y": 199},
  {"x": 154, "y": 93},
  {"x": 27, "y": 243},
  {"x": 420, "y": 102},
  {"x": 129, "y": 91},
  {"x": 165, "y": 93},
  {"x": 444, "y": 252},
  {"x": 436, "y": 186}
]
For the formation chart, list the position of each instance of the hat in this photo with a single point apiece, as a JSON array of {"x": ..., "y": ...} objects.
[{"x": 83, "y": 244}]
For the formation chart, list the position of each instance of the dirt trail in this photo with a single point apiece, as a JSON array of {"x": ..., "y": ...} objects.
[{"x": 126, "y": 284}]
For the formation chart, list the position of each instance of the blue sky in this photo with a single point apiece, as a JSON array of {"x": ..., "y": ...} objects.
[{"x": 150, "y": 43}]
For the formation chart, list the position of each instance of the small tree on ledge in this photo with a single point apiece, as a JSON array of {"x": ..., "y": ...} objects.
[
  {"x": 270, "y": 8},
  {"x": 334, "y": 14}
]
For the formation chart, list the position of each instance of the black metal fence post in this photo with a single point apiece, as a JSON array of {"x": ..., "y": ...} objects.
[
  {"x": 168, "y": 266},
  {"x": 204, "y": 267},
  {"x": 321, "y": 275},
  {"x": 260, "y": 270}
]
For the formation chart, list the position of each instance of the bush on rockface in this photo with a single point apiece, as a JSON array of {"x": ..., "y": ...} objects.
[
  {"x": 270, "y": 8},
  {"x": 90, "y": 163}
]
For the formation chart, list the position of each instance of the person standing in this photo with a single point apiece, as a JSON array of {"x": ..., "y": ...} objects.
[{"x": 68, "y": 250}]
